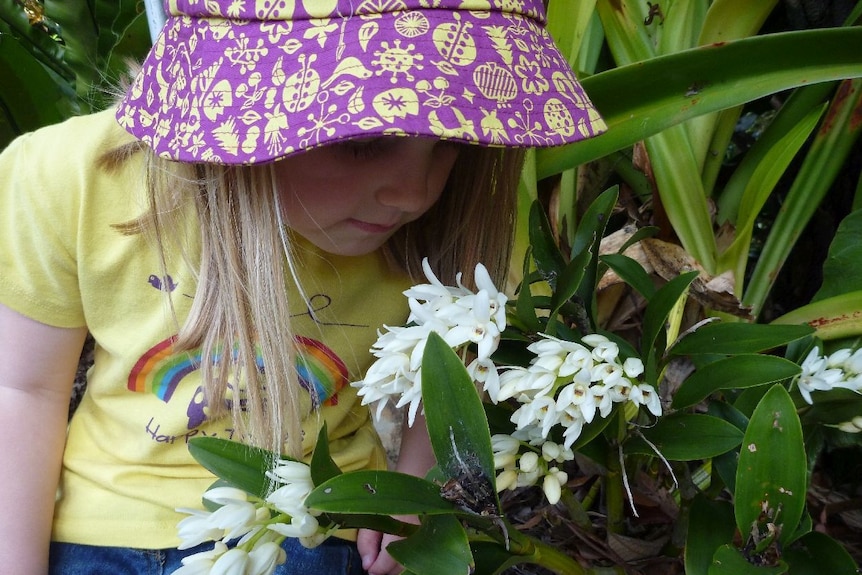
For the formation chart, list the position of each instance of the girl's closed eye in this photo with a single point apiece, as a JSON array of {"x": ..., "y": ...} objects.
[{"x": 365, "y": 148}]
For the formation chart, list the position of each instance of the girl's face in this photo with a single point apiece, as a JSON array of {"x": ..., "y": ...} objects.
[{"x": 349, "y": 198}]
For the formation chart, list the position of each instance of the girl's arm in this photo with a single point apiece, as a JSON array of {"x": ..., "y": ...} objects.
[
  {"x": 416, "y": 458},
  {"x": 37, "y": 368}
]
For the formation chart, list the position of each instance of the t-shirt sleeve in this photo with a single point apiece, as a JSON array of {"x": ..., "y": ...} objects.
[{"x": 39, "y": 211}]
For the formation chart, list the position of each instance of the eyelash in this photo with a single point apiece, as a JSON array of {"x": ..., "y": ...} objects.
[{"x": 364, "y": 149}]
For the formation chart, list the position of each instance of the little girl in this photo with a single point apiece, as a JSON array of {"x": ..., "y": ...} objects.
[{"x": 232, "y": 234}]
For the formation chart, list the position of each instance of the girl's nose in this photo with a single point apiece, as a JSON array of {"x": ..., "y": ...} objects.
[{"x": 414, "y": 176}]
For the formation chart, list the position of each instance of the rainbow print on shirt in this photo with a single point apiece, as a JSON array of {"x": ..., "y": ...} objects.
[{"x": 160, "y": 370}]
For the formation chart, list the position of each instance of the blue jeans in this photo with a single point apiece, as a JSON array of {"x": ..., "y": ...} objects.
[{"x": 334, "y": 557}]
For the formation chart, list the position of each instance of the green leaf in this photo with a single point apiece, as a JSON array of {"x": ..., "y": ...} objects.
[
  {"x": 439, "y": 546},
  {"x": 491, "y": 558},
  {"x": 659, "y": 307},
  {"x": 736, "y": 372},
  {"x": 674, "y": 88},
  {"x": 631, "y": 272},
  {"x": 672, "y": 436},
  {"x": 588, "y": 238},
  {"x": 710, "y": 525},
  {"x": 454, "y": 414},
  {"x": 835, "y": 317},
  {"x": 29, "y": 96},
  {"x": 816, "y": 554},
  {"x": 240, "y": 465},
  {"x": 726, "y": 463},
  {"x": 378, "y": 493},
  {"x": 546, "y": 254},
  {"x": 823, "y": 161},
  {"x": 729, "y": 561},
  {"x": 771, "y": 476},
  {"x": 323, "y": 467},
  {"x": 569, "y": 281},
  {"x": 842, "y": 270},
  {"x": 727, "y": 338}
]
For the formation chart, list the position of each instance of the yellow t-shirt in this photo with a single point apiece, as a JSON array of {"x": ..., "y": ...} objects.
[{"x": 127, "y": 466}]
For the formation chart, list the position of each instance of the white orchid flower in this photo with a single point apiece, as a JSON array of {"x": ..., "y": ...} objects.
[
  {"x": 196, "y": 529},
  {"x": 233, "y": 562},
  {"x": 263, "y": 559},
  {"x": 201, "y": 563}
]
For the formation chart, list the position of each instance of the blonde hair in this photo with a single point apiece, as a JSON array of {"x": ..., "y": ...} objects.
[{"x": 241, "y": 306}]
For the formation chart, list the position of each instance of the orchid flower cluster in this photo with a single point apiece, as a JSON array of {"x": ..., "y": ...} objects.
[
  {"x": 841, "y": 369},
  {"x": 259, "y": 526},
  {"x": 566, "y": 384}
]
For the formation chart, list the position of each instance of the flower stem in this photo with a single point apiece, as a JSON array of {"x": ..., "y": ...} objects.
[
  {"x": 614, "y": 493},
  {"x": 531, "y": 550}
]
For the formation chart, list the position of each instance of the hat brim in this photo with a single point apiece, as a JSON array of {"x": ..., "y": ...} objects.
[{"x": 244, "y": 92}]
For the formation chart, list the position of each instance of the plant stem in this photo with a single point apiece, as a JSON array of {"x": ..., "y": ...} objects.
[
  {"x": 531, "y": 550},
  {"x": 614, "y": 493}
]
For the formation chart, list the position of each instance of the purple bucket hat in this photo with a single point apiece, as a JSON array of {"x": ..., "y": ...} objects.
[{"x": 251, "y": 81}]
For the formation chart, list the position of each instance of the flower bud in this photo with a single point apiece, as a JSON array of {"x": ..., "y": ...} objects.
[
  {"x": 504, "y": 460},
  {"x": 551, "y": 451},
  {"x": 848, "y": 427},
  {"x": 507, "y": 480},
  {"x": 234, "y": 562},
  {"x": 551, "y": 487},
  {"x": 263, "y": 559},
  {"x": 528, "y": 462}
]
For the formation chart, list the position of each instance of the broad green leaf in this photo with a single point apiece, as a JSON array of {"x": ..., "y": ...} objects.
[
  {"x": 729, "y": 561},
  {"x": 240, "y": 465},
  {"x": 29, "y": 96},
  {"x": 710, "y": 525},
  {"x": 798, "y": 106},
  {"x": 491, "y": 558},
  {"x": 322, "y": 465},
  {"x": 631, "y": 272},
  {"x": 728, "y": 338},
  {"x": 736, "y": 372},
  {"x": 673, "y": 437},
  {"x": 524, "y": 306},
  {"x": 439, "y": 546},
  {"x": 683, "y": 198},
  {"x": 771, "y": 476},
  {"x": 588, "y": 238},
  {"x": 454, "y": 414},
  {"x": 817, "y": 554},
  {"x": 726, "y": 463},
  {"x": 835, "y": 317},
  {"x": 823, "y": 161},
  {"x": 674, "y": 88},
  {"x": 842, "y": 270},
  {"x": 771, "y": 165},
  {"x": 42, "y": 41},
  {"x": 569, "y": 281},
  {"x": 659, "y": 307},
  {"x": 378, "y": 492},
  {"x": 546, "y": 254}
]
